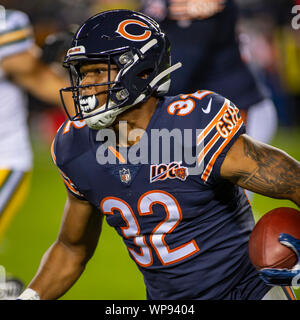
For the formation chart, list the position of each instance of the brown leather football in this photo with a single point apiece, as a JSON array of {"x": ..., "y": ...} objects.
[{"x": 265, "y": 250}]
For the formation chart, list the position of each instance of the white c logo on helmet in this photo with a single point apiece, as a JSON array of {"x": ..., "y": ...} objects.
[{"x": 122, "y": 30}]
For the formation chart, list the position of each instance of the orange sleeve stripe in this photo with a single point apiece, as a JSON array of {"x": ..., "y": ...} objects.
[
  {"x": 199, "y": 95},
  {"x": 209, "y": 166},
  {"x": 68, "y": 184},
  {"x": 206, "y": 149},
  {"x": 52, "y": 151},
  {"x": 213, "y": 122},
  {"x": 117, "y": 154},
  {"x": 204, "y": 94},
  {"x": 71, "y": 188},
  {"x": 290, "y": 293},
  {"x": 247, "y": 197},
  {"x": 78, "y": 124}
]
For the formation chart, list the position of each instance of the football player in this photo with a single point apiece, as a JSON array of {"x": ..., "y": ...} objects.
[
  {"x": 20, "y": 68},
  {"x": 185, "y": 224}
]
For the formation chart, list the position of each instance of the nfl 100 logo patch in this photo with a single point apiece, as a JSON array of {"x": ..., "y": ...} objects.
[{"x": 163, "y": 171}]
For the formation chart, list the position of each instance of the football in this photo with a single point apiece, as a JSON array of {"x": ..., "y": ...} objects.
[{"x": 265, "y": 250}]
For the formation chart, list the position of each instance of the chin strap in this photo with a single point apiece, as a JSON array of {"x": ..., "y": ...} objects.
[{"x": 176, "y": 66}]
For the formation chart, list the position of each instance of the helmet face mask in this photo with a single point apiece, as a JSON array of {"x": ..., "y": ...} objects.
[{"x": 129, "y": 40}]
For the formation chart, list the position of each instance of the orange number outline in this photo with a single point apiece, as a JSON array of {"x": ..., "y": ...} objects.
[
  {"x": 134, "y": 254},
  {"x": 192, "y": 244}
]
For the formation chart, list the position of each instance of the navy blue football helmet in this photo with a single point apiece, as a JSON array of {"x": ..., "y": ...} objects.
[{"x": 132, "y": 41}]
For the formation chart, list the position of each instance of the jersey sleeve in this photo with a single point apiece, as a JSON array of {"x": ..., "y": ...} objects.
[
  {"x": 220, "y": 129},
  {"x": 16, "y": 33},
  {"x": 71, "y": 187}
]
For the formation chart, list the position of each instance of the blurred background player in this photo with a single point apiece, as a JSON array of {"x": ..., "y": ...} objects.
[{"x": 20, "y": 69}]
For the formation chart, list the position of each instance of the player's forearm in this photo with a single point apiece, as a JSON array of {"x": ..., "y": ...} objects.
[
  {"x": 275, "y": 173},
  {"x": 43, "y": 83},
  {"x": 27, "y": 70},
  {"x": 59, "y": 269}
]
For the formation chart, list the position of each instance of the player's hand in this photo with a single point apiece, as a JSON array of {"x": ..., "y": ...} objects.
[
  {"x": 284, "y": 277},
  {"x": 194, "y": 9}
]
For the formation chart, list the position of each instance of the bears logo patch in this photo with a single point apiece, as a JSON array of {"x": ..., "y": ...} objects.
[{"x": 125, "y": 34}]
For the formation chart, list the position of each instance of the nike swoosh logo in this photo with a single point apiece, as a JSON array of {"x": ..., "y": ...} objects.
[{"x": 208, "y": 108}]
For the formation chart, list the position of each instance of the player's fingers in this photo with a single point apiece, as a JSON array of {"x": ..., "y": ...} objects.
[
  {"x": 178, "y": 16},
  {"x": 279, "y": 273},
  {"x": 274, "y": 272},
  {"x": 290, "y": 242},
  {"x": 281, "y": 277},
  {"x": 194, "y": 9},
  {"x": 178, "y": 9},
  {"x": 289, "y": 238},
  {"x": 171, "y": 2},
  {"x": 204, "y": 9}
]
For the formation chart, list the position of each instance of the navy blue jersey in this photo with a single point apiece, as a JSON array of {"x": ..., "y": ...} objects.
[
  {"x": 209, "y": 51},
  {"x": 185, "y": 227}
]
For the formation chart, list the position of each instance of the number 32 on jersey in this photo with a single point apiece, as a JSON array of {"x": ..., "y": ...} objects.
[{"x": 132, "y": 229}]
